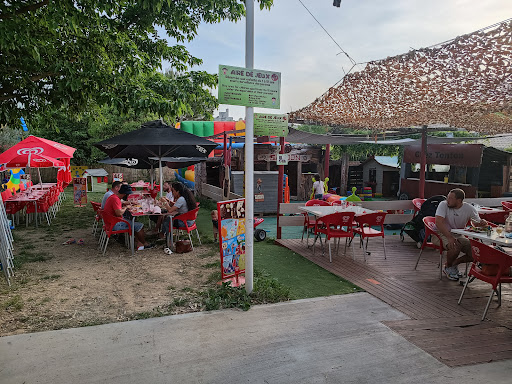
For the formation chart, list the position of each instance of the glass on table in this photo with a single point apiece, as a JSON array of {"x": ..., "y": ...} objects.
[{"x": 499, "y": 230}]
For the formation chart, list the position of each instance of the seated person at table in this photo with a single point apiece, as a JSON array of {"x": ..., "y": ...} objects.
[
  {"x": 184, "y": 201},
  {"x": 114, "y": 207},
  {"x": 453, "y": 213},
  {"x": 168, "y": 191},
  {"x": 115, "y": 187},
  {"x": 169, "y": 200}
]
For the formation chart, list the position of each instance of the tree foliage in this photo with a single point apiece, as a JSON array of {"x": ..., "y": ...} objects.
[{"x": 65, "y": 53}]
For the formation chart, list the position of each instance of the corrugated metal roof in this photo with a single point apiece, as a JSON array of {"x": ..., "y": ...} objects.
[{"x": 99, "y": 172}]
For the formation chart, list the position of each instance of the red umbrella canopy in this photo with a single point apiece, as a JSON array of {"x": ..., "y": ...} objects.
[
  {"x": 36, "y": 161},
  {"x": 31, "y": 146},
  {"x": 64, "y": 174}
]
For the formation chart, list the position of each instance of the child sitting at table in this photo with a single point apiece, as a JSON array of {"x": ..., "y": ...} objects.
[{"x": 215, "y": 222}]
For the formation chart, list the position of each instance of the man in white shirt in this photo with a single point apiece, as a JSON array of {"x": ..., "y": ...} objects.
[
  {"x": 453, "y": 213},
  {"x": 318, "y": 187}
]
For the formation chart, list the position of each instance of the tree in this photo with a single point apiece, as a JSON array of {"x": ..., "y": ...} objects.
[{"x": 65, "y": 53}]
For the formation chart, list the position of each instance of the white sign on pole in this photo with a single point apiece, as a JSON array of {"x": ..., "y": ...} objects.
[{"x": 282, "y": 159}]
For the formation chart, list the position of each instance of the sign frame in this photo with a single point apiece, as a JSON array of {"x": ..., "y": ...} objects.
[
  {"x": 231, "y": 226},
  {"x": 268, "y": 124},
  {"x": 79, "y": 191},
  {"x": 249, "y": 87}
]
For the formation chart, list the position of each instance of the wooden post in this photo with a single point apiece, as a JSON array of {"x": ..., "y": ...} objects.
[
  {"x": 326, "y": 161},
  {"x": 344, "y": 174},
  {"x": 200, "y": 177},
  {"x": 299, "y": 179}
]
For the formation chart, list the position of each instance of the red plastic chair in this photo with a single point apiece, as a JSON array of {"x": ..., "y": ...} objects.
[
  {"x": 417, "y": 205},
  {"x": 109, "y": 222},
  {"x": 97, "y": 217},
  {"x": 188, "y": 216},
  {"x": 12, "y": 207},
  {"x": 507, "y": 205},
  {"x": 332, "y": 227},
  {"x": 365, "y": 230},
  {"x": 309, "y": 222},
  {"x": 485, "y": 254},
  {"x": 431, "y": 230},
  {"x": 495, "y": 217}
]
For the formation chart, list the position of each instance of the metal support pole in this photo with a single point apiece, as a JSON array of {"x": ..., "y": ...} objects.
[
  {"x": 161, "y": 177},
  {"x": 280, "y": 180},
  {"x": 249, "y": 154},
  {"x": 423, "y": 163}
]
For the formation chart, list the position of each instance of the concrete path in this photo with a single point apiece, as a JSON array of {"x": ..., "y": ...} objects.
[{"x": 337, "y": 339}]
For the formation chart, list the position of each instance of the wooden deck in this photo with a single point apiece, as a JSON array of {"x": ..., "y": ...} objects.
[{"x": 451, "y": 333}]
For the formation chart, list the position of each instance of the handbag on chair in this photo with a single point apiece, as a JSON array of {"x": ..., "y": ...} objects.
[{"x": 183, "y": 246}]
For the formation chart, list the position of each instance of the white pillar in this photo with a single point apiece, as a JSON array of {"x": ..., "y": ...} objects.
[{"x": 249, "y": 154}]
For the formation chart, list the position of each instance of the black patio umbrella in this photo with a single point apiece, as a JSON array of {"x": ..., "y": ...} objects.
[
  {"x": 130, "y": 163},
  {"x": 159, "y": 140}
]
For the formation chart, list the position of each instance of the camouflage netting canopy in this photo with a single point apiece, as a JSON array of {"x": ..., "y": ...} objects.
[{"x": 465, "y": 83}]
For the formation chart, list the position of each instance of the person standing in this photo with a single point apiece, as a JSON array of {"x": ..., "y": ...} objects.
[
  {"x": 454, "y": 213},
  {"x": 318, "y": 187}
]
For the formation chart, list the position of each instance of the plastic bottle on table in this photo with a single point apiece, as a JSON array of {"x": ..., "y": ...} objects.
[{"x": 508, "y": 223}]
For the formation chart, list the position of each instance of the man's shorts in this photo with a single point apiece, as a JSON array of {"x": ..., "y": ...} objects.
[
  {"x": 464, "y": 241},
  {"x": 122, "y": 225}
]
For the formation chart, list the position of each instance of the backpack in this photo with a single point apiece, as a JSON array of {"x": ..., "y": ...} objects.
[{"x": 415, "y": 228}]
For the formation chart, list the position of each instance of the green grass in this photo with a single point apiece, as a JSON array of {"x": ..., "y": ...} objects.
[
  {"x": 304, "y": 278},
  {"x": 280, "y": 274},
  {"x": 15, "y": 303}
]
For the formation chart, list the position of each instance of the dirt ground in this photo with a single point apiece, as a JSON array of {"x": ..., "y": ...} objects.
[{"x": 74, "y": 285}]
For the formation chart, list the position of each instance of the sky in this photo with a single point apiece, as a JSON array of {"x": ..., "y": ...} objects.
[{"x": 287, "y": 39}]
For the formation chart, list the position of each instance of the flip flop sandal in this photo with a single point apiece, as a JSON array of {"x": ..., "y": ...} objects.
[
  {"x": 80, "y": 242},
  {"x": 167, "y": 251},
  {"x": 70, "y": 241}
]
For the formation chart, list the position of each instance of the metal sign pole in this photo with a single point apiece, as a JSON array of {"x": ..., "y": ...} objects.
[{"x": 249, "y": 153}]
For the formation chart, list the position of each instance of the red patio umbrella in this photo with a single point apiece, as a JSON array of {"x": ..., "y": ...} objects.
[
  {"x": 31, "y": 146},
  {"x": 36, "y": 152},
  {"x": 36, "y": 161},
  {"x": 64, "y": 174}
]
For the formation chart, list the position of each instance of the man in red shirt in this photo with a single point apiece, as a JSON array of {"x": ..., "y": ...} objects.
[{"x": 114, "y": 207}]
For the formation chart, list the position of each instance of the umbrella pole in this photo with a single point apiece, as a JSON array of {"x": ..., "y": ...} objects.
[
  {"x": 161, "y": 177},
  {"x": 151, "y": 176},
  {"x": 39, "y": 174}
]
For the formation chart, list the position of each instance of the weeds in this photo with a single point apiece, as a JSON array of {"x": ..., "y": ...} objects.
[
  {"x": 215, "y": 264},
  {"x": 25, "y": 256},
  {"x": 14, "y": 303},
  {"x": 50, "y": 277},
  {"x": 266, "y": 290},
  {"x": 226, "y": 296}
]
